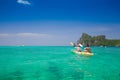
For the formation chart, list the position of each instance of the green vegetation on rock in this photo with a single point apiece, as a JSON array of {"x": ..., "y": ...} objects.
[{"x": 98, "y": 40}]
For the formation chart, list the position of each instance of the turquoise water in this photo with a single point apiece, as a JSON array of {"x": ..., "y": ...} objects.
[{"x": 58, "y": 63}]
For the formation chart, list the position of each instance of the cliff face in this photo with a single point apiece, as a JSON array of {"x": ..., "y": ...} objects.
[
  {"x": 97, "y": 40},
  {"x": 85, "y": 38}
]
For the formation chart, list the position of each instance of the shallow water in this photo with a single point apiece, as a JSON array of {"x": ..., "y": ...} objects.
[{"x": 58, "y": 63}]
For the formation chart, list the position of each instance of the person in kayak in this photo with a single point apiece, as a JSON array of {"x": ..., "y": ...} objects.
[
  {"x": 76, "y": 46},
  {"x": 87, "y": 48}
]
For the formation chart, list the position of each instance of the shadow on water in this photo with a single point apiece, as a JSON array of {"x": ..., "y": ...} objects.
[
  {"x": 75, "y": 75},
  {"x": 54, "y": 71},
  {"x": 78, "y": 75},
  {"x": 37, "y": 75},
  {"x": 17, "y": 75},
  {"x": 111, "y": 76},
  {"x": 67, "y": 74}
]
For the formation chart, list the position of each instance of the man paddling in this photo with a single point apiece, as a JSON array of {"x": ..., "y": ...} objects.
[{"x": 87, "y": 48}]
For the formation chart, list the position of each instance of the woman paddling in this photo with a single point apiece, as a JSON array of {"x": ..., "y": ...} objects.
[{"x": 76, "y": 46}]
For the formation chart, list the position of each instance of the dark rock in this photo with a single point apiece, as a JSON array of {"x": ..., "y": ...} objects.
[{"x": 99, "y": 40}]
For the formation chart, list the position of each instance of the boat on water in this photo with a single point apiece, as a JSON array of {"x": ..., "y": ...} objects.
[{"x": 82, "y": 53}]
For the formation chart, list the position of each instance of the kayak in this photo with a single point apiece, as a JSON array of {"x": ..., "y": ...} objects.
[{"x": 82, "y": 53}]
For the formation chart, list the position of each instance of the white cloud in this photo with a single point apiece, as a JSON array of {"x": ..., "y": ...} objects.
[
  {"x": 32, "y": 35},
  {"x": 4, "y": 35},
  {"x": 25, "y": 38},
  {"x": 103, "y": 29},
  {"x": 25, "y": 2}
]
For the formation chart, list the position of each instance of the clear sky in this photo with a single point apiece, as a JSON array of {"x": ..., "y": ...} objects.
[{"x": 57, "y": 22}]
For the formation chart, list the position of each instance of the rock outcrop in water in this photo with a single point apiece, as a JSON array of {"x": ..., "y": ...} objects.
[{"x": 99, "y": 40}]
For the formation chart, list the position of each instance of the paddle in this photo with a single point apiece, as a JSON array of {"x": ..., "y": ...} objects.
[
  {"x": 80, "y": 45},
  {"x": 73, "y": 44}
]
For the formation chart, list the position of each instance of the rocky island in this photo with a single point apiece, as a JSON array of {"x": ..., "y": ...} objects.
[{"x": 99, "y": 40}]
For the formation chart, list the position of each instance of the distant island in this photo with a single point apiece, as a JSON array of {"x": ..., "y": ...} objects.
[{"x": 99, "y": 40}]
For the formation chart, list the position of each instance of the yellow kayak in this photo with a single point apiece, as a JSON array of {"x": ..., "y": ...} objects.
[{"x": 82, "y": 53}]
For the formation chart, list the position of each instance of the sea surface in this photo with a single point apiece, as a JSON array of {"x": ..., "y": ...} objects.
[{"x": 58, "y": 63}]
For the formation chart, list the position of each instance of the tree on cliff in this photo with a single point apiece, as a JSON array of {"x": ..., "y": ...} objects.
[{"x": 97, "y": 40}]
